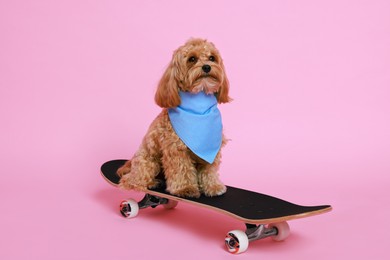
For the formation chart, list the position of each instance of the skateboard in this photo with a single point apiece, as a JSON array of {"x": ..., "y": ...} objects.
[{"x": 263, "y": 215}]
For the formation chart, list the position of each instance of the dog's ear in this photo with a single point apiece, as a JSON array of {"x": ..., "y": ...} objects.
[
  {"x": 167, "y": 94},
  {"x": 223, "y": 92}
]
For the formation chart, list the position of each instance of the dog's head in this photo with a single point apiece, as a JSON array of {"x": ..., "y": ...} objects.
[{"x": 196, "y": 66}]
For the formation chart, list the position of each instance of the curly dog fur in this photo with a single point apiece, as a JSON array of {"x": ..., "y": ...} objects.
[{"x": 162, "y": 150}]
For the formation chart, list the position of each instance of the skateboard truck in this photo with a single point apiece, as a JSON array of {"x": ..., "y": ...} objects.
[
  {"x": 237, "y": 241},
  {"x": 151, "y": 201},
  {"x": 130, "y": 208},
  {"x": 258, "y": 232}
]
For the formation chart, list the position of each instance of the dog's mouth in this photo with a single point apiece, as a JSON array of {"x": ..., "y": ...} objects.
[
  {"x": 207, "y": 83},
  {"x": 207, "y": 76}
]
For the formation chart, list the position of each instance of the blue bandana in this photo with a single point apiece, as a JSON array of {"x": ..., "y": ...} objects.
[{"x": 198, "y": 123}]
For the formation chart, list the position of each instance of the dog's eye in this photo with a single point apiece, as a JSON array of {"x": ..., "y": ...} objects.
[
  {"x": 211, "y": 58},
  {"x": 192, "y": 59}
]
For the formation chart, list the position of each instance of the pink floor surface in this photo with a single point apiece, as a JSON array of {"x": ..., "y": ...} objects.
[{"x": 310, "y": 123}]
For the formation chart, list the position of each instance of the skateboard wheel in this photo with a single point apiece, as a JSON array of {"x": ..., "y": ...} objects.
[
  {"x": 236, "y": 241},
  {"x": 171, "y": 204},
  {"x": 129, "y": 208},
  {"x": 283, "y": 231}
]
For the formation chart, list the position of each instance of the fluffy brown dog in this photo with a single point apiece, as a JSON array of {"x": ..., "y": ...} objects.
[{"x": 195, "y": 67}]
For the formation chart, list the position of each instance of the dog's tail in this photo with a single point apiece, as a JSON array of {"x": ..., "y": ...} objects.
[{"x": 125, "y": 169}]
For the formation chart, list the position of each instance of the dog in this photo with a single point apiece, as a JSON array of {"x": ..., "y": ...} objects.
[{"x": 193, "y": 83}]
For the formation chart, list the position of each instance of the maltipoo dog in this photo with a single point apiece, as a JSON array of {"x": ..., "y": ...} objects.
[{"x": 184, "y": 142}]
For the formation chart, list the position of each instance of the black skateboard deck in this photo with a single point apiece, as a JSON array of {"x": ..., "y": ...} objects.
[{"x": 263, "y": 215}]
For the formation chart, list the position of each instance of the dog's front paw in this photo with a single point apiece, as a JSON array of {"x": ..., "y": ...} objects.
[
  {"x": 131, "y": 182},
  {"x": 127, "y": 182},
  {"x": 214, "y": 190},
  {"x": 186, "y": 192}
]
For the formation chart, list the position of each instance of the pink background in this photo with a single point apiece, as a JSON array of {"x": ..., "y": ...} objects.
[{"x": 310, "y": 123}]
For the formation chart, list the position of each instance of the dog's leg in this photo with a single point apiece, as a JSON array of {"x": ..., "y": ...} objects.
[
  {"x": 182, "y": 181},
  {"x": 180, "y": 173},
  {"x": 143, "y": 171},
  {"x": 208, "y": 178}
]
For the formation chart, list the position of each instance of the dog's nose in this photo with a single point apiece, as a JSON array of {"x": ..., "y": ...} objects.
[{"x": 206, "y": 68}]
